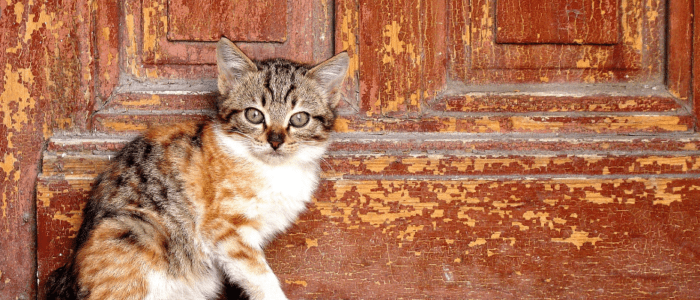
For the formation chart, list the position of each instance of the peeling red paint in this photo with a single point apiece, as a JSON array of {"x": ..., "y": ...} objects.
[
  {"x": 680, "y": 45},
  {"x": 40, "y": 93},
  {"x": 426, "y": 238},
  {"x": 494, "y": 62},
  {"x": 580, "y": 22},
  {"x": 505, "y": 123},
  {"x": 161, "y": 52},
  {"x": 265, "y": 21},
  {"x": 435, "y": 188},
  {"x": 497, "y": 102}
]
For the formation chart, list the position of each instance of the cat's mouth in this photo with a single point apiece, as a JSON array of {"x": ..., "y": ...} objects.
[
  {"x": 273, "y": 156},
  {"x": 275, "y": 153}
]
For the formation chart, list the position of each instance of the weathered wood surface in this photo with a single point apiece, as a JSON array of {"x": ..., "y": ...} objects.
[
  {"x": 557, "y": 22},
  {"x": 680, "y": 45},
  {"x": 477, "y": 56},
  {"x": 558, "y": 166},
  {"x": 402, "y": 217},
  {"x": 498, "y": 112},
  {"x": 695, "y": 86},
  {"x": 643, "y": 124},
  {"x": 305, "y": 28},
  {"x": 406, "y": 76},
  {"x": 263, "y": 21},
  {"x": 45, "y": 75}
]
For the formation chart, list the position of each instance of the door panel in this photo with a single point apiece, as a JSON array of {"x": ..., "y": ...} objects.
[
  {"x": 484, "y": 145},
  {"x": 502, "y": 45},
  {"x": 401, "y": 47},
  {"x": 206, "y": 21},
  {"x": 286, "y": 23},
  {"x": 556, "y": 22},
  {"x": 411, "y": 80}
]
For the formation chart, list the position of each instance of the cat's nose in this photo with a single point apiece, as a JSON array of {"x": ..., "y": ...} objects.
[{"x": 275, "y": 139}]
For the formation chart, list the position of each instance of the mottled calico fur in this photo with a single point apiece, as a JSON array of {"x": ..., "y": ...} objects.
[{"x": 186, "y": 207}]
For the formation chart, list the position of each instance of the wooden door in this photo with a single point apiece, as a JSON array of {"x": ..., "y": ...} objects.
[{"x": 485, "y": 149}]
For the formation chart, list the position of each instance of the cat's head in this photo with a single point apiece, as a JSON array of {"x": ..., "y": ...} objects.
[{"x": 277, "y": 110}]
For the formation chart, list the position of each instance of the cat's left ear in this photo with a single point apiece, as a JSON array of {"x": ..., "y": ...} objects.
[{"x": 330, "y": 74}]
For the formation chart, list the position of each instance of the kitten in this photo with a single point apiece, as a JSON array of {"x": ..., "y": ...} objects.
[{"x": 184, "y": 208}]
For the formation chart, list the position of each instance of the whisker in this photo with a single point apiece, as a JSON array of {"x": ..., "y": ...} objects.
[{"x": 236, "y": 131}]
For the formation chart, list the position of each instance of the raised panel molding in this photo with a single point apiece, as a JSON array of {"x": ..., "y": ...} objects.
[
  {"x": 147, "y": 52},
  {"x": 300, "y": 30},
  {"x": 536, "y": 43}
]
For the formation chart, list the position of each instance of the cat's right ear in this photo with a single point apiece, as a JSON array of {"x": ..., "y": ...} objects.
[
  {"x": 330, "y": 74},
  {"x": 232, "y": 63}
]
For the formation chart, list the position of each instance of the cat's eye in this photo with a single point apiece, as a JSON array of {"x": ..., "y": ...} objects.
[
  {"x": 254, "y": 116},
  {"x": 299, "y": 119}
]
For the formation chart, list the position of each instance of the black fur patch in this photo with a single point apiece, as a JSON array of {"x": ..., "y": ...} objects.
[
  {"x": 128, "y": 237},
  {"x": 130, "y": 159},
  {"x": 62, "y": 284},
  {"x": 147, "y": 149},
  {"x": 326, "y": 125},
  {"x": 268, "y": 77},
  {"x": 234, "y": 292},
  {"x": 291, "y": 88},
  {"x": 119, "y": 181},
  {"x": 196, "y": 139}
]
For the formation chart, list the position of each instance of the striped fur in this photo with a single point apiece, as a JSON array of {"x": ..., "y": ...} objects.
[{"x": 185, "y": 209}]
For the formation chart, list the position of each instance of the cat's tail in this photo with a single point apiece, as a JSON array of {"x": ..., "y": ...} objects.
[{"x": 62, "y": 284}]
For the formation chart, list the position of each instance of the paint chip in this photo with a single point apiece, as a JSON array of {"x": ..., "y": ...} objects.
[{"x": 578, "y": 238}]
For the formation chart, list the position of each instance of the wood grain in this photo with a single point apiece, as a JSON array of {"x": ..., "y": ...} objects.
[
  {"x": 696, "y": 66},
  {"x": 347, "y": 18}
]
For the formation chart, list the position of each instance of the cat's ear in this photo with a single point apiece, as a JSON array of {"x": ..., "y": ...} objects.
[
  {"x": 330, "y": 74},
  {"x": 232, "y": 63}
]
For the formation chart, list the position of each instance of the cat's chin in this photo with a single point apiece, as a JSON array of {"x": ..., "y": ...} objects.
[{"x": 273, "y": 157}]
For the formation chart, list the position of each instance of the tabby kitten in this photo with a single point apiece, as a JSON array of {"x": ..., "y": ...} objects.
[{"x": 186, "y": 207}]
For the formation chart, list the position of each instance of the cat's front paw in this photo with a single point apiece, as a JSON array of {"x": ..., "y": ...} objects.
[{"x": 276, "y": 295}]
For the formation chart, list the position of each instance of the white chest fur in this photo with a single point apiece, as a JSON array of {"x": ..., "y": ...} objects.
[
  {"x": 282, "y": 196},
  {"x": 282, "y": 191}
]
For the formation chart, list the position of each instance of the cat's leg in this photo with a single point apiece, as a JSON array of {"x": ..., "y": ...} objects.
[
  {"x": 111, "y": 263},
  {"x": 127, "y": 258},
  {"x": 245, "y": 265},
  {"x": 254, "y": 275}
]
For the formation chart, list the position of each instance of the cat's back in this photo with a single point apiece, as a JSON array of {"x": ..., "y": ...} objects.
[
  {"x": 143, "y": 185},
  {"x": 138, "y": 220},
  {"x": 145, "y": 175}
]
